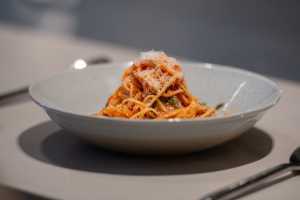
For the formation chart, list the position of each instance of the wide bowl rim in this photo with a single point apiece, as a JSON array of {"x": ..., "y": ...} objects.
[{"x": 209, "y": 66}]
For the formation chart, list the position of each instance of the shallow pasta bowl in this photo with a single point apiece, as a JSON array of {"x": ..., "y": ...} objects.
[{"x": 72, "y": 97}]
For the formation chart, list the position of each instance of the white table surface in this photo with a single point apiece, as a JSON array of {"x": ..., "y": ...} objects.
[{"x": 37, "y": 157}]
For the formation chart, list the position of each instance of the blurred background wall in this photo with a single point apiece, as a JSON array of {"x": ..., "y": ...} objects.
[{"x": 260, "y": 35}]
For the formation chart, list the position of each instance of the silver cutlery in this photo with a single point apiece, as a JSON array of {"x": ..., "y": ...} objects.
[{"x": 248, "y": 184}]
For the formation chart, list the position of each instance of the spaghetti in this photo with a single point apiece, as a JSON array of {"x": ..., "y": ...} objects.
[{"x": 153, "y": 87}]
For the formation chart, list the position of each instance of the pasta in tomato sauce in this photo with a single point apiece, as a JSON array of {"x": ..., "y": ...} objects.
[{"x": 153, "y": 87}]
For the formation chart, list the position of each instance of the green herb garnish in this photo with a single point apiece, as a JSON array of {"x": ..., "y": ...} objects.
[
  {"x": 173, "y": 101},
  {"x": 203, "y": 103}
]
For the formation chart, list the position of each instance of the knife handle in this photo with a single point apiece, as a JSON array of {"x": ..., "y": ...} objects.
[{"x": 244, "y": 185}]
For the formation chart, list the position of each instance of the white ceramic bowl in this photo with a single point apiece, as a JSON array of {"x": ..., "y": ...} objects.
[{"x": 72, "y": 97}]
